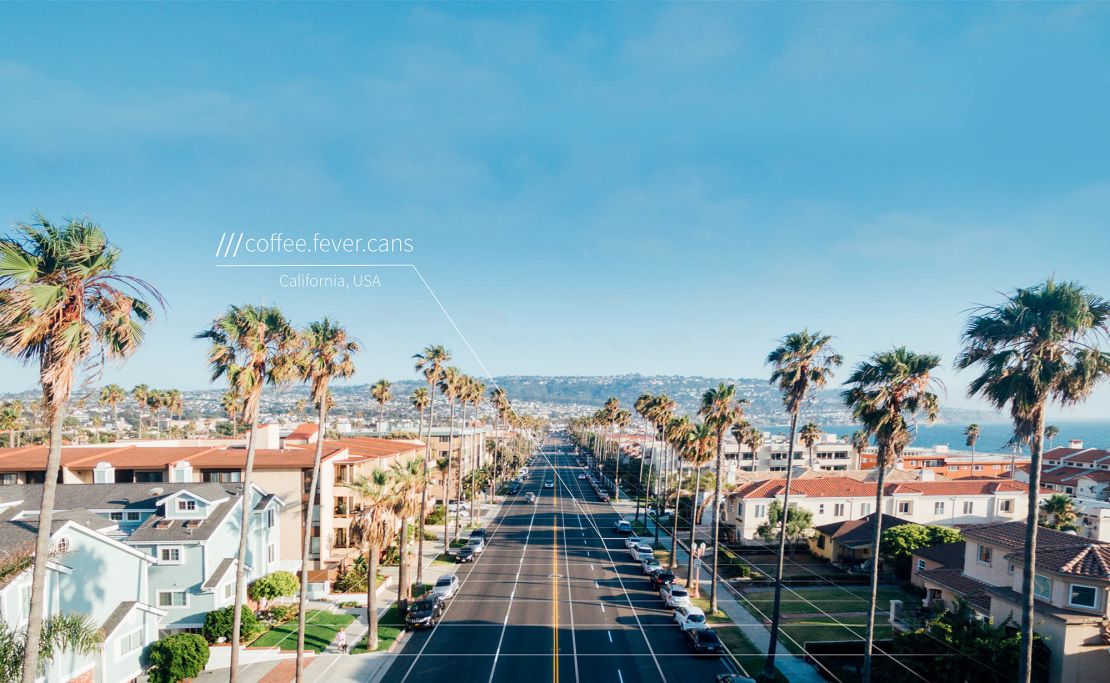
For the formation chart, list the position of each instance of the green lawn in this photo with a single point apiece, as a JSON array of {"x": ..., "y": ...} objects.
[
  {"x": 750, "y": 658},
  {"x": 823, "y": 629},
  {"x": 320, "y": 630},
  {"x": 832, "y": 600},
  {"x": 390, "y": 627}
]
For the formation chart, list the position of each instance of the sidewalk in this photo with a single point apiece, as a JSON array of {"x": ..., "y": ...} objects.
[{"x": 793, "y": 667}]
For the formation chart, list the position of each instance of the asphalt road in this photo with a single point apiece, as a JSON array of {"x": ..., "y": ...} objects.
[{"x": 555, "y": 596}]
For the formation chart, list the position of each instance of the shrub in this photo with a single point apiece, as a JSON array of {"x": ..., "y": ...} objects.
[
  {"x": 177, "y": 657},
  {"x": 353, "y": 578},
  {"x": 278, "y": 614},
  {"x": 350, "y": 604},
  {"x": 436, "y": 516},
  {"x": 217, "y": 624},
  {"x": 275, "y": 585}
]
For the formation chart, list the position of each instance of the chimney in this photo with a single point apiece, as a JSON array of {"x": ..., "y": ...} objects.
[
  {"x": 269, "y": 437},
  {"x": 1075, "y": 443}
]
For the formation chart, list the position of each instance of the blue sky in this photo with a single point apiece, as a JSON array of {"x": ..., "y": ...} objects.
[{"x": 590, "y": 188}]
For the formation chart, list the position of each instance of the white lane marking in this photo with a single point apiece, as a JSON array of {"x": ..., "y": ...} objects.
[
  {"x": 620, "y": 675},
  {"x": 602, "y": 606},
  {"x": 597, "y": 584},
  {"x": 570, "y": 600},
  {"x": 610, "y": 634}
]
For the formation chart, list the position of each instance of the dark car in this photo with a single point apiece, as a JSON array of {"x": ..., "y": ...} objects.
[
  {"x": 661, "y": 577},
  {"x": 424, "y": 612},
  {"x": 705, "y": 641},
  {"x": 465, "y": 554},
  {"x": 479, "y": 533}
]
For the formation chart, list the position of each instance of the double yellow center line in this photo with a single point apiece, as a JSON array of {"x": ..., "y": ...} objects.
[{"x": 555, "y": 580}]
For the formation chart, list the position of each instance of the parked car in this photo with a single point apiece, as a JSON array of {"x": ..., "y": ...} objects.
[
  {"x": 641, "y": 551},
  {"x": 456, "y": 506},
  {"x": 531, "y": 497},
  {"x": 446, "y": 586},
  {"x": 661, "y": 577},
  {"x": 478, "y": 533},
  {"x": 465, "y": 554},
  {"x": 476, "y": 544},
  {"x": 705, "y": 641},
  {"x": 603, "y": 497},
  {"x": 674, "y": 596},
  {"x": 650, "y": 564},
  {"x": 622, "y": 527},
  {"x": 425, "y": 611},
  {"x": 581, "y": 475},
  {"x": 690, "y": 618},
  {"x": 632, "y": 540},
  {"x": 734, "y": 678}
]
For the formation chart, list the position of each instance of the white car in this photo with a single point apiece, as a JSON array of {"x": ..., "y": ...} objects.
[
  {"x": 455, "y": 506},
  {"x": 478, "y": 544},
  {"x": 631, "y": 541},
  {"x": 549, "y": 484},
  {"x": 650, "y": 564},
  {"x": 640, "y": 552},
  {"x": 446, "y": 586},
  {"x": 674, "y": 596},
  {"x": 690, "y": 618},
  {"x": 581, "y": 475}
]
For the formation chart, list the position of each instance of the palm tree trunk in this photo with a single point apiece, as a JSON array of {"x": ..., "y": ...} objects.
[
  {"x": 869, "y": 640},
  {"x": 1036, "y": 447},
  {"x": 423, "y": 501},
  {"x": 450, "y": 461},
  {"x": 776, "y": 612},
  {"x": 617, "y": 472},
  {"x": 459, "y": 470},
  {"x": 306, "y": 546},
  {"x": 381, "y": 416},
  {"x": 676, "y": 465},
  {"x": 115, "y": 420},
  {"x": 403, "y": 582},
  {"x": 372, "y": 598},
  {"x": 716, "y": 522},
  {"x": 241, "y": 557},
  {"x": 692, "y": 582},
  {"x": 140, "y": 423},
  {"x": 661, "y": 490},
  {"x": 35, "y": 612}
]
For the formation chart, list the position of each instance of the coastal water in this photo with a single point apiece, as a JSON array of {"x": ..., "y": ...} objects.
[{"x": 993, "y": 437}]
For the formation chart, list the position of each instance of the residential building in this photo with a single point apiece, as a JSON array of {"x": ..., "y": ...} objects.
[
  {"x": 943, "y": 556},
  {"x": 838, "y": 498},
  {"x": 189, "y": 531},
  {"x": 849, "y": 541},
  {"x": 92, "y": 574},
  {"x": 950, "y": 464},
  {"x": 1070, "y": 590}
]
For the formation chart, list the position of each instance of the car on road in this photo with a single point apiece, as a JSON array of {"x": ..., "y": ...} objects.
[
  {"x": 581, "y": 475},
  {"x": 549, "y": 484},
  {"x": 641, "y": 551},
  {"x": 425, "y": 611},
  {"x": 478, "y": 533},
  {"x": 446, "y": 586},
  {"x": 465, "y": 554},
  {"x": 690, "y": 618},
  {"x": 456, "y": 506},
  {"x": 674, "y": 596},
  {"x": 622, "y": 526},
  {"x": 650, "y": 564},
  {"x": 531, "y": 497},
  {"x": 661, "y": 578},
  {"x": 476, "y": 544},
  {"x": 734, "y": 678},
  {"x": 705, "y": 641},
  {"x": 603, "y": 497},
  {"x": 632, "y": 540}
]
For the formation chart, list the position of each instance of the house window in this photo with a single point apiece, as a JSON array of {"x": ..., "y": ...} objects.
[
  {"x": 130, "y": 642},
  {"x": 270, "y": 554},
  {"x": 938, "y": 508},
  {"x": 864, "y": 509},
  {"x": 9, "y": 479},
  {"x": 905, "y": 507},
  {"x": 820, "y": 542},
  {"x": 115, "y": 516},
  {"x": 984, "y": 555},
  {"x": 172, "y": 599},
  {"x": 170, "y": 555},
  {"x": 229, "y": 590},
  {"x": 838, "y": 509},
  {"x": 133, "y": 516},
  {"x": 340, "y": 537},
  {"x": 760, "y": 510},
  {"x": 969, "y": 507},
  {"x": 921, "y": 565},
  {"x": 1007, "y": 505},
  {"x": 269, "y": 519},
  {"x": 821, "y": 509},
  {"x": 977, "y": 467},
  {"x": 63, "y": 545},
  {"x": 1010, "y": 568},
  {"x": 1042, "y": 587},
  {"x": 953, "y": 468},
  {"x": 1083, "y": 596},
  {"x": 186, "y": 505}
]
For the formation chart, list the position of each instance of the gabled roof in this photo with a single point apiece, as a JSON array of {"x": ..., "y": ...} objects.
[
  {"x": 303, "y": 432},
  {"x": 948, "y": 555},
  {"x": 847, "y": 487},
  {"x": 855, "y": 533},
  {"x": 218, "y": 574},
  {"x": 1057, "y": 453},
  {"x": 1088, "y": 456},
  {"x": 956, "y": 581},
  {"x": 1011, "y": 535},
  {"x": 1089, "y": 560},
  {"x": 362, "y": 448},
  {"x": 120, "y": 613}
]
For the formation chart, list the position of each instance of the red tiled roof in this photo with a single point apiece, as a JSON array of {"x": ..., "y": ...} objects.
[
  {"x": 846, "y": 487},
  {"x": 1088, "y": 456},
  {"x": 303, "y": 432},
  {"x": 156, "y": 457},
  {"x": 1091, "y": 559},
  {"x": 368, "y": 448},
  {"x": 1057, "y": 453},
  {"x": 264, "y": 459}
]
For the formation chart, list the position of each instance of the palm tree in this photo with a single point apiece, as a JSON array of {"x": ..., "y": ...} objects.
[
  {"x": 699, "y": 450},
  {"x": 450, "y": 384},
  {"x": 1058, "y": 512},
  {"x": 406, "y": 478},
  {"x": 642, "y": 406},
  {"x": 112, "y": 395},
  {"x": 678, "y": 433},
  {"x": 324, "y": 353},
  {"x": 420, "y": 401},
  {"x": 660, "y": 414},
  {"x": 972, "y": 433},
  {"x": 65, "y": 632},
  {"x": 802, "y": 363},
  {"x": 155, "y": 401},
  {"x": 373, "y": 527},
  {"x": 476, "y": 395},
  {"x": 861, "y": 441},
  {"x": 251, "y": 346},
  {"x": 232, "y": 404},
  {"x": 62, "y": 303},
  {"x": 810, "y": 434},
  {"x": 721, "y": 410},
  {"x": 883, "y": 392},
  {"x": 621, "y": 419},
  {"x": 382, "y": 394},
  {"x": 1050, "y": 433},
  {"x": 11, "y": 419},
  {"x": 1040, "y": 346},
  {"x": 430, "y": 362},
  {"x": 141, "y": 393},
  {"x": 462, "y": 395}
]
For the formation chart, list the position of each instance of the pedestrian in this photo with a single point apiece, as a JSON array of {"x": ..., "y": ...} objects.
[{"x": 341, "y": 642}]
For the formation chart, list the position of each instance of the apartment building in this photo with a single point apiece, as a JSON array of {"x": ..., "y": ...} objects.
[
  {"x": 949, "y": 464},
  {"x": 1070, "y": 589},
  {"x": 89, "y": 573},
  {"x": 191, "y": 532},
  {"x": 838, "y": 498}
]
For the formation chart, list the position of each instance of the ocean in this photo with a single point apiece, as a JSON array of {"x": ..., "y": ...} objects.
[{"x": 993, "y": 437}]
